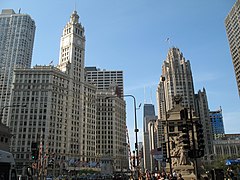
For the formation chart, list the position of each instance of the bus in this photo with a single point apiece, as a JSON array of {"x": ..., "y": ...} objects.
[{"x": 7, "y": 166}]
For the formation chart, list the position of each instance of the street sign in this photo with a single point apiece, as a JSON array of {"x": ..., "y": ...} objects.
[
  {"x": 155, "y": 152},
  {"x": 232, "y": 161},
  {"x": 158, "y": 157}
]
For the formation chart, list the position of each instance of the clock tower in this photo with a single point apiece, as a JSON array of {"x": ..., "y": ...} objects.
[
  {"x": 80, "y": 96},
  {"x": 72, "y": 49}
]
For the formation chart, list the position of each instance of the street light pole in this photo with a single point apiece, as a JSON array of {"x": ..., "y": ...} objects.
[{"x": 136, "y": 131}]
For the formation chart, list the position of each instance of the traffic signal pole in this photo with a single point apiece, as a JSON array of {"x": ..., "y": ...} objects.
[
  {"x": 167, "y": 125},
  {"x": 168, "y": 145},
  {"x": 34, "y": 156}
]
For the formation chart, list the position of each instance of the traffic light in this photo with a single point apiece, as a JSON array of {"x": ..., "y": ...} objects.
[
  {"x": 184, "y": 138},
  {"x": 164, "y": 151},
  {"x": 200, "y": 139},
  {"x": 134, "y": 159},
  {"x": 34, "y": 150},
  {"x": 184, "y": 114}
]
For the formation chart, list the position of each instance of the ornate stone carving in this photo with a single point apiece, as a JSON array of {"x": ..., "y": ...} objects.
[{"x": 177, "y": 99}]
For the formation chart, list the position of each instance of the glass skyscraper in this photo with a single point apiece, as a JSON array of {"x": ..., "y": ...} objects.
[{"x": 217, "y": 123}]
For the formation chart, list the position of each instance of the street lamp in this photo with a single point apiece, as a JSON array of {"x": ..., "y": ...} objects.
[
  {"x": 136, "y": 130},
  {"x": 14, "y": 105},
  {"x": 167, "y": 125}
]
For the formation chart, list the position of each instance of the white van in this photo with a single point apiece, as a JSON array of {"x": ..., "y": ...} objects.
[{"x": 7, "y": 166}]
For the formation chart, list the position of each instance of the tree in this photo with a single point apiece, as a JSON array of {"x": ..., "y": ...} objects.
[{"x": 220, "y": 163}]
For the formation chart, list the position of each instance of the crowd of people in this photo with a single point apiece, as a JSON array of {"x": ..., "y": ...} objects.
[
  {"x": 162, "y": 176},
  {"x": 229, "y": 173}
]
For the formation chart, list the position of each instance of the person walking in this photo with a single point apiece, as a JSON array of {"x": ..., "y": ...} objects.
[{"x": 180, "y": 177}]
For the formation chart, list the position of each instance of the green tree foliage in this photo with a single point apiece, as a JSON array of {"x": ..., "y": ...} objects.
[{"x": 220, "y": 163}]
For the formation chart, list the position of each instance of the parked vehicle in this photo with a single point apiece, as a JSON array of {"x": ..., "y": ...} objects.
[
  {"x": 22, "y": 177},
  {"x": 7, "y": 166},
  {"x": 120, "y": 176}
]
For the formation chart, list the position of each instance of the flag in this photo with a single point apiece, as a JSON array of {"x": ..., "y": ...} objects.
[
  {"x": 45, "y": 160},
  {"x": 40, "y": 163},
  {"x": 168, "y": 40}
]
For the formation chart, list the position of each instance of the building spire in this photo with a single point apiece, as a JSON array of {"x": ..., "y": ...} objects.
[
  {"x": 75, "y": 5},
  {"x": 74, "y": 17}
]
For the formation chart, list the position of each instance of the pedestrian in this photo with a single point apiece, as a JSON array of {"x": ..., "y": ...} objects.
[
  {"x": 180, "y": 177},
  {"x": 230, "y": 173},
  {"x": 174, "y": 175}
]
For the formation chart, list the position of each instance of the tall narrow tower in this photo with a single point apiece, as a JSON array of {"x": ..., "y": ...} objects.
[
  {"x": 178, "y": 81},
  {"x": 232, "y": 29},
  {"x": 17, "y": 36},
  {"x": 149, "y": 119},
  {"x": 81, "y": 94},
  {"x": 72, "y": 49},
  {"x": 202, "y": 110}
]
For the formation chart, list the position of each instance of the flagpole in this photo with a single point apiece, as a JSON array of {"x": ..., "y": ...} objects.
[
  {"x": 46, "y": 159},
  {"x": 40, "y": 157}
]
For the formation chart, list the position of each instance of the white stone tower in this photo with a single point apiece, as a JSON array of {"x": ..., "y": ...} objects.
[
  {"x": 17, "y": 33},
  {"x": 178, "y": 81},
  {"x": 72, "y": 48}
]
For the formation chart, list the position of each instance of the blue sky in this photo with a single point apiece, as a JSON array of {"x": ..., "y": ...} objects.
[{"x": 130, "y": 35}]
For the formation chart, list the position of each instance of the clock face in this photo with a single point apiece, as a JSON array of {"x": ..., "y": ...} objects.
[
  {"x": 79, "y": 42},
  {"x": 66, "y": 42}
]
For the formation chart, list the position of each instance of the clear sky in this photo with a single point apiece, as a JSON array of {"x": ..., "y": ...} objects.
[{"x": 130, "y": 35}]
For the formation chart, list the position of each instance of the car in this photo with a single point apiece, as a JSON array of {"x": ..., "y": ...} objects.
[
  {"x": 22, "y": 177},
  {"x": 120, "y": 176}
]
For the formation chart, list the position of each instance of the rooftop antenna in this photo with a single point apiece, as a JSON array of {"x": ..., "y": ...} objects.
[
  {"x": 144, "y": 94},
  {"x": 75, "y": 5},
  {"x": 151, "y": 95}
]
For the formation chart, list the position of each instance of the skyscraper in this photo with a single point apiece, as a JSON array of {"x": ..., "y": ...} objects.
[
  {"x": 202, "y": 111},
  {"x": 111, "y": 115},
  {"x": 232, "y": 28},
  {"x": 104, "y": 78},
  {"x": 149, "y": 136},
  {"x": 111, "y": 129},
  {"x": 176, "y": 81},
  {"x": 217, "y": 123},
  {"x": 17, "y": 33}
]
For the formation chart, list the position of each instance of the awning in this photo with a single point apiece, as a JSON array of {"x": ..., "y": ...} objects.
[{"x": 232, "y": 161}]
